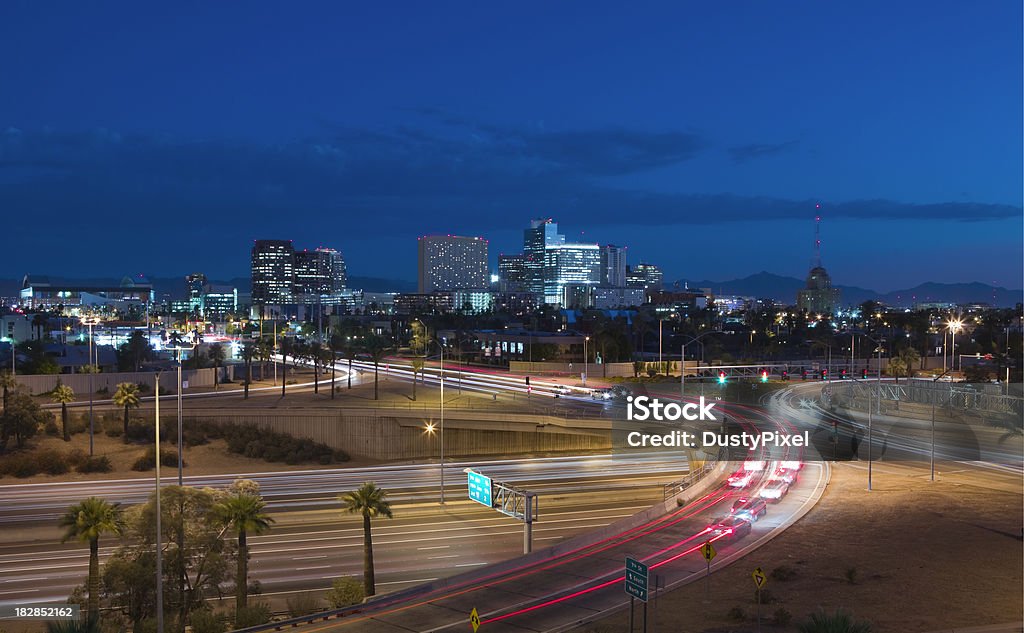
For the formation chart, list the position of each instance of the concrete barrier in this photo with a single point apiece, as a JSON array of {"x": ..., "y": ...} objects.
[{"x": 43, "y": 383}]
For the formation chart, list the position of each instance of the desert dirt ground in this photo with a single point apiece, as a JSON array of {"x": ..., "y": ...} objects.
[{"x": 925, "y": 556}]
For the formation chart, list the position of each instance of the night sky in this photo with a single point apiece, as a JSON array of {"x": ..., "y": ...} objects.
[{"x": 701, "y": 135}]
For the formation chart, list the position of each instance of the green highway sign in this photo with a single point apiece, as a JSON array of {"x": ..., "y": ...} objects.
[
  {"x": 636, "y": 578},
  {"x": 480, "y": 489}
]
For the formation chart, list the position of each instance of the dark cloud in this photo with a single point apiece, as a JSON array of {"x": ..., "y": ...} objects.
[
  {"x": 743, "y": 153},
  {"x": 359, "y": 182}
]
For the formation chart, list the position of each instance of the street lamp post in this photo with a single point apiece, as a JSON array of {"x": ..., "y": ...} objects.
[
  {"x": 440, "y": 349},
  {"x": 586, "y": 360},
  {"x": 955, "y": 326},
  {"x": 879, "y": 379},
  {"x": 682, "y": 361},
  {"x": 159, "y": 535},
  {"x": 90, "y": 321},
  {"x": 179, "y": 346}
]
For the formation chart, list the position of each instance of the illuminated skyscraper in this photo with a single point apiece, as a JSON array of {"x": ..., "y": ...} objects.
[
  {"x": 569, "y": 264},
  {"x": 319, "y": 273},
  {"x": 451, "y": 262},
  {"x": 613, "y": 266},
  {"x": 273, "y": 272}
]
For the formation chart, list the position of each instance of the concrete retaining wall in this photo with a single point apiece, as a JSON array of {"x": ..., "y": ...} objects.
[
  {"x": 42, "y": 383},
  {"x": 400, "y": 435}
]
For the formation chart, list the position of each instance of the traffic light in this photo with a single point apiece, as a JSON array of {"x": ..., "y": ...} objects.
[
  {"x": 842, "y": 374},
  {"x": 785, "y": 375},
  {"x": 721, "y": 377},
  {"x": 803, "y": 374},
  {"x": 527, "y": 381},
  {"x": 764, "y": 375},
  {"x": 824, "y": 374},
  {"x": 864, "y": 373}
]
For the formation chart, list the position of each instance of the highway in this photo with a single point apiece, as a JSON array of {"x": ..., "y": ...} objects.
[{"x": 313, "y": 542}]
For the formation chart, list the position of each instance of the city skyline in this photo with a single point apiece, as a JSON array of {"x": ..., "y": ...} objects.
[{"x": 703, "y": 133}]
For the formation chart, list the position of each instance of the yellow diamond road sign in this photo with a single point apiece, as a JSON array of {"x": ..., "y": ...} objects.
[
  {"x": 474, "y": 619},
  {"x": 708, "y": 551},
  {"x": 759, "y": 578}
]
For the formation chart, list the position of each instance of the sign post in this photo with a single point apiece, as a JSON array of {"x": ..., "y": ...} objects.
[
  {"x": 637, "y": 576},
  {"x": 760, "y": 580},
  {"x": 707, "y": 550}
]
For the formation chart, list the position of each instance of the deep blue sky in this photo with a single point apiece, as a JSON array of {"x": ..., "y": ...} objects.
[{"x": 699, "y": 134}]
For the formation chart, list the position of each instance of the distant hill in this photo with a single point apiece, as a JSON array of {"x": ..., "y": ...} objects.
[{"x": 765, "y": 284}]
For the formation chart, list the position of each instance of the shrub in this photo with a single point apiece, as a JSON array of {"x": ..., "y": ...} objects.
[
  {"x": 78, "y": 423},
  {"x": 783, "y": 573},
  {"x": 206, "y": 621},
  {"x": 144, "y": 387},
  {"x": 95, "y": 464},
  {"x": 258, "y": 613},
  {"x": 737, "y": 613},
  {"x": 114, "y": 431},
  {"x": 19, "y": 465},
  {"x": 193, "y": 437},
  {"x": 782, "y": 617},
  {"x": 850, "y": 575},
  {"x": 147, "y": 461},
  {"x": 103, "y": 391},
  {"x": 76, "y": 456},
  {"x": 302, "y": 604},
  {"x": 51, "y": 428},
  {"x": 344, "y": 592},
  {"x": 51, "y": 462},
  {"x": 141, "y": 431}
]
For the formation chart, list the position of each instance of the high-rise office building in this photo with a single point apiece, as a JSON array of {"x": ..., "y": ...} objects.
[
  {"x": 570, "y": 264},
  {"x": 818, "y": 295},
  {"x": 613, "y": 266},
  {"x": 542, "y": 234},
  {"x": 451, "y": 262},
  {"x": 273, "y": 272},
  {"x": 318, "y": 274},
  {"x": 512, "y": 273},
  {"x": 646, "y": 276}
]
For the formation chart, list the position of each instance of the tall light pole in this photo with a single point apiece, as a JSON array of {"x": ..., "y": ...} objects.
[
  {"x": 179, "y": 346},
  {"x": 159, "y": 534},
  {"x": 955, "y": 325},
  {"x": 682, "y": 360},
  {"x": 90, "y": 321},
  {"x": 440, "y": 349},
  {"x": 879, "y": 379},
  {"x": 586, "y": 360}
]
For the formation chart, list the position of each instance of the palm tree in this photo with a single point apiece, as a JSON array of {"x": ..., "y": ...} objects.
[
  {"x": 315, "y": 353},
  {"x": 245, "y": 513},
  {"x": 909, "y": 358},
  {"x": 369, "y": 501},
  {"x": 8, "y": 382},
  {"x": 838, "y": 622},
  {"x": 87, "y": 521},
  {"x": 377, "y": 347},
  {"x": 249, "y": 351},
  {"x": 335, "y": 344},
  {"x": 63, "y": 394},
  {"x": 286, "y": 348},
  {"x": 127, "y": 396},
  {"x": 216, "y": 355},
  {"x": 417, "y": 366}
]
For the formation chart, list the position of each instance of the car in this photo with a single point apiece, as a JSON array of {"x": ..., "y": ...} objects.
[
  {"x": 791, "y": 464},
  {"x": 601, "y": 394},
  {"x": 563, "y": 390},
  {"x": 790, "y": 476},
  {"x": 730, "y": 527},
  {"x": 750, "y": 508},
  {"x": 774, "y": 490},
  {"x": 740, "y": 479}
]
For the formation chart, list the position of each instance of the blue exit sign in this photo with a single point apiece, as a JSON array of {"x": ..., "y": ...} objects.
[{"x": 480, "y": 489}]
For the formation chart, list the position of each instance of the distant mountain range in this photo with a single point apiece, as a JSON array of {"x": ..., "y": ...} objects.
[
  {"x": 762, "y": 284},
  {"x": 768, "y": 285}
]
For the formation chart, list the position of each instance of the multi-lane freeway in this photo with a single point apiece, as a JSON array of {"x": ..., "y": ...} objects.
[{"x": 313, "y": 541}]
